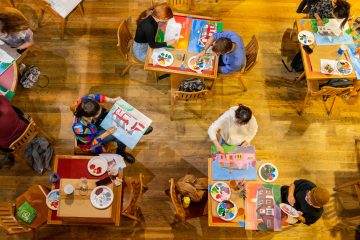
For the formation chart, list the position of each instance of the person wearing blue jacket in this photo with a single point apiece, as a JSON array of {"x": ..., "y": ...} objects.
[{"x": 230, "y": 48}]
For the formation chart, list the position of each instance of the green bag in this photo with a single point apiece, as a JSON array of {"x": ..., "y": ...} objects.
[{"x": 26, "y": 213}]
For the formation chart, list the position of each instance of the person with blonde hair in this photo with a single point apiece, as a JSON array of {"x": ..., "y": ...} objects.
[
  {"x": 14, "y": 29},
  {"x": 147, "y": 26},
  {"x": 307, "y": 198}
]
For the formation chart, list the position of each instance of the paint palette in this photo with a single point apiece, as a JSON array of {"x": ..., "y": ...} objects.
[
  {"x": 52, "y": 199},
  {"x": 344, "y": 67},
  {"x": 97, "y": 166},
  {"x": 164, "y": 59},
  {"x": 268, "y": 172},
  {"x": 227, "y": 210},
  {"x": 194, "y": 65},
  {"x": 220, "y": 191},
  {"x": 289, "y": 210},
  {"x": 101, "y": 197},
  {"x": 306, "y": 37}
]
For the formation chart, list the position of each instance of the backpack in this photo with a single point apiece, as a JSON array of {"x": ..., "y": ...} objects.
[
  {"x": 296, "y": 64},
  {"x": 192, "y": 85},
  {"x": 337, "y": 83},
  {"x": 30, "y": 76}
]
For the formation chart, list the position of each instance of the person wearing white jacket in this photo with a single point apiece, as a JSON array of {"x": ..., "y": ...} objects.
[{"x": 237, "y": 126}]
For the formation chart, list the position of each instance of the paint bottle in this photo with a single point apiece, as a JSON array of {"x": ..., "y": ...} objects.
[
  {"x": 341, "y": 51},
  {"x": 186, "y": 202}
]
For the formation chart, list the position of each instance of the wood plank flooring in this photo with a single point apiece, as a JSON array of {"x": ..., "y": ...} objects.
[{"x": 313, "y": 146}]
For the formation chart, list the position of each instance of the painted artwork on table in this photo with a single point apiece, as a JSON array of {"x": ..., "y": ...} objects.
[
  {"x": 354, "y": 53},
  {"x": 130, "y": 123},
  {"x": 201, "y": 30},
  {"x": 5, "y": 61},
  {"x": 178, "y": 28},
  {"x": 262, "y": 206},
  {"x": 237, "y": 163},
  {"x": 331, "y": 33}
]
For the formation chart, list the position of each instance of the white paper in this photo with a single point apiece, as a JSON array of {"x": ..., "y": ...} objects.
[
  {"x": 64, "y": 7},
  {"x": 119, "y": 160},
  {"x": 331, "y": 63},
  {"x": 173, "y": 30},
  {"x": 332, "y": 28}
]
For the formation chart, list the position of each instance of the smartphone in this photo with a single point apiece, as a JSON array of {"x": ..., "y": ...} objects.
[
  {"x": 103, "y": 182},
  {"x": 307, "y": 49}
]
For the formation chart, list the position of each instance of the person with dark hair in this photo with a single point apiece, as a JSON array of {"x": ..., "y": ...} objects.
[
  {"x": 147, "y": 26},
  {"x": 307, "y": 198},
  {"x": 14, "y": 29},
  {"x": 305, "y": 5},
  {"x": 330, "y": 9},
  {"x": 237, "y": 126},
  {"x": 230, "y": 48},
  {"x": 86, "y": 126},
  {"x": 11, "y": 125}
]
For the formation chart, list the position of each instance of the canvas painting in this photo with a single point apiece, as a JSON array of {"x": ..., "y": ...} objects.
[
  {"x": 130, "y": 123},
  {"x": 354, "y": 53},
  {"x": 64, "y": 7},
  {"x": 262, "y": 206},
  {"x": 237, "y": 163},
  {"x": 201, "y": 30},
  {"x": 330, "y": 33},
  {"x": 5, "y": 60}
]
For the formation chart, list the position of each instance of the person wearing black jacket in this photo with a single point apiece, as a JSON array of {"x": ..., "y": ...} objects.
[{"x": 147, "y": 26}]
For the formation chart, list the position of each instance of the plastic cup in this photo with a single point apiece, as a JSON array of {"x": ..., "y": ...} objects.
[{"x": 68, "y": 189}]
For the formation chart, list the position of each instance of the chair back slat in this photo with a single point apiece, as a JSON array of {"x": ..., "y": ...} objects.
[
  {"x": 179, "y": 95},
  {"x": 252, "y": 49},
  {"x": 8, "y": 221},
  {"x": 124, "y": 39},
  {"x": 137, "y": 186},
  {"x": 179, "y": 210},
  {"x": 20, "y": 143},
  {"x": 180, "y": 4},
  {"x": 332, "y": 91}
]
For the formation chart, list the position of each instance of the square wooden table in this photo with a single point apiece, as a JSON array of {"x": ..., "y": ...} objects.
[
  {"x": 78, "y": 209},
  {"x": 312, "y": 70}
]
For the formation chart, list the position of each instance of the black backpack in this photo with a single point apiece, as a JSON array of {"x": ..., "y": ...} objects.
[
  {"x": 296, "y": 64},
  {"x": 337, "y": 83},
  {"x": 192, "y": 85}
]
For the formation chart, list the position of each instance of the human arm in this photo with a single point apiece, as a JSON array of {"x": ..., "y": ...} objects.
[
  {"x": 25, "y": 45},
  {"x": 301, "y": 219},
  {"x": 252, "y": 129},
  {"x": 291, "y": 198},
  {"x": 209, "y": 42},
  {"x": 318, "y": 19},
  {"x": 150, "y": 35},
  {"x": 27, "y": 36},
  {"x": 215, "y": 127}
]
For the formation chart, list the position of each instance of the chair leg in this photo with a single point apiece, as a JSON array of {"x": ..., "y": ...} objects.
[
  {"x": 293, "y": 29},
  {"x": 63, "y": 25},
  {"x": 81, "y": 8},
  {"x": 172, "y": 108},
  {"x": 126, "y": 69},
  {"x": 302, "y": 75},
  {"x": 11, "y": 2},
  {"x": 155, "y": 76},
  {"x": 210, "y": 80},
  {"x": 242, "y": 84},
  {"x": 331, "y": 107},
  {"x": 306, "y": 100},
  {"x": 41, "y": 18},
  {"x": 202, "y": 107}
]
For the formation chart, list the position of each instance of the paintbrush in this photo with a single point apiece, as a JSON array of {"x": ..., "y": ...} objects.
[{"x": 182, "y": 67}]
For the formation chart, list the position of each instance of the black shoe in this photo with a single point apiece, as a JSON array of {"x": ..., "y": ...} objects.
[
  {"x": 164, "y": 76},
  {"x": 127, "y": 157},
  {"x": 148, "y": 130}
]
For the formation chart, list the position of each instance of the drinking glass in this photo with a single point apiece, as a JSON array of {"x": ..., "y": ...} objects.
[{"x": 83, "y": 187}]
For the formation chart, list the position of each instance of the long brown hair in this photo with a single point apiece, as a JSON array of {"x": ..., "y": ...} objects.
[
  {"x": 342, "y": 10},
  {"x": 13, "y": 20},
  {"x": 160, "y": 11}
]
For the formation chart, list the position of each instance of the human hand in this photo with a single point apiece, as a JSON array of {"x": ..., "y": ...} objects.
[
  {"x": 171, "y": 42},
  {"x": 320, "y": 22},
  {"x": 291, "y": 200},
  {"x": 113, "y": 100},
  {"x": 245, "y": 143},
  {"x": 200, "y": 55},
  {"x": 220, "y": 149},
  {"x": 111, "y": 130}
]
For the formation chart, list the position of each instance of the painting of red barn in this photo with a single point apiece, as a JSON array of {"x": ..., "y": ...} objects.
[{"x": 262, "y": 207}]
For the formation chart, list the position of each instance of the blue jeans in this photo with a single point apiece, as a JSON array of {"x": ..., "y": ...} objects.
[
  {"x": 121, "y": 147},
  {"x": 140, "y": 50}
]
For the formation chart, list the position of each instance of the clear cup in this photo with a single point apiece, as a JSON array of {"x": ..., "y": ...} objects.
[{"x": 83, "y": 186}]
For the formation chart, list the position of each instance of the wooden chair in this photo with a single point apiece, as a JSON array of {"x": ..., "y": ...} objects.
[
  {"x": 325, "y": 92},
  {"x": 45, "y": 6},
  {"x": 182, "y": 5},
  {"x": 252, "y": 50},
  {"x": 134, "y": 188},
  {"x": 356, "y": 185},
  {"x": 19, "y": 145},
  {"x": 8, "y": 221},
  {"x": 185, "y": 96},
  {"x": 124, "y": 45},
  {"x": 11, "y": 2},
  {"x": 22, "y": 56},
  {"x": 195, "y": 209}
]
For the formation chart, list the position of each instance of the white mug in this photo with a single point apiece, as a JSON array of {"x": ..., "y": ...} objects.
[{"x": 68, "y": 189}]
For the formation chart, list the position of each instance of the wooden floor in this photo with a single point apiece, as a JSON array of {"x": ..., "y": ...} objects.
[{"x": 313, "y": 146}]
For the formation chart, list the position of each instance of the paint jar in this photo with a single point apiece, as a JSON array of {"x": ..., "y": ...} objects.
[
  {"x": 186, "y": 202},
  {"x": 68, "y": 189},
  {"x": 341, "y": 51},
  {"x": 233, "y": 184}
]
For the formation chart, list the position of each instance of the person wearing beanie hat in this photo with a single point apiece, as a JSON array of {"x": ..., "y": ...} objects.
[{"x": 307, "y": 198}]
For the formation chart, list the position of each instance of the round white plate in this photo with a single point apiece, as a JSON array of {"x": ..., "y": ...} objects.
[
  {"x": 165, "y": 58},
  {"x": 52, "y": 199},
  {"x": 268, "y": 172},
  {"x": 195, "y": 66},
  {"x": 220, "y": 191},
  {"x": 97, "y": 166},
  {"x": 340, "y": 67},
  {"x": 306, "y": 37},
  {"x": 101, "y": 197},
  {"x": 227, "y": 210},
  {"x": 289, "y": 210}
]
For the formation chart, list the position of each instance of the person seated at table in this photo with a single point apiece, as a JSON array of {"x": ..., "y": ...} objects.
[
  {"x": 86, "y": 126},
  {"x": 237, "y": 126},
  {"x": 12, "y": 125},
  {"x": 305, "y": 6},
  {"x": 307, "y": 198},
  {"x": 147, "y": 26},
  {"x": 230, "y": 48},
  {"x": 14, "y": 29},
  {"x": 330, "y": 9}
]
